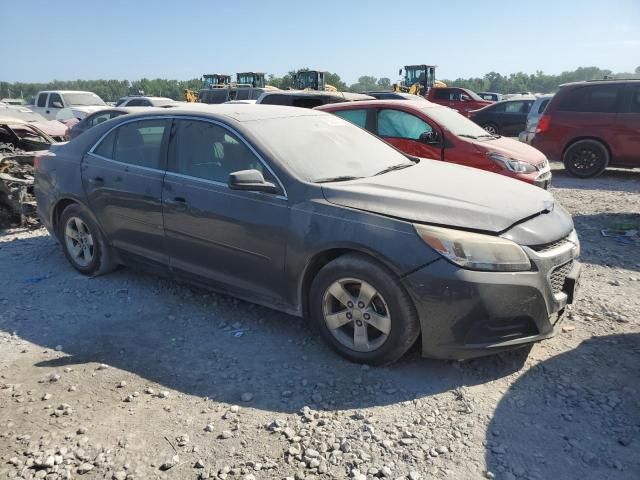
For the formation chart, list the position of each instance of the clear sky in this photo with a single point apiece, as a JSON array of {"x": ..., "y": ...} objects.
[{"x": 181, "y": 39}]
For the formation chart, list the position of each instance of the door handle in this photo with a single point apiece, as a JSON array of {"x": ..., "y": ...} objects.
[
  {"x": 96, "y": 181},
  {"x": 176, "y": 202}
]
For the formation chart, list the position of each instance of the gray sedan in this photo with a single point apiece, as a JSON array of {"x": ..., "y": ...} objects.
[{"x": 304, "y": 212}]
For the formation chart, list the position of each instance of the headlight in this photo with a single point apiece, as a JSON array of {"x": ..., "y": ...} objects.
[
  {"x": 512, "y": 165},
  {"x": 475, "y": 251}
]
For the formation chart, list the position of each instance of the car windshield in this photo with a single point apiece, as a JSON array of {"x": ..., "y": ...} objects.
[
  {"x": 83, "y": 99},
  {"x": 322, "y": 147},
  {"x": 457, "y": 124}
]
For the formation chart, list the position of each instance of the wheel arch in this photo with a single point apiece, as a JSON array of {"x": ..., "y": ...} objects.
[
  {"x": 324, "y": 257},
  {"x": 61, "y": 204}
]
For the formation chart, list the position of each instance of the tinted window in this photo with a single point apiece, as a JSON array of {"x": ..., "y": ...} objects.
[
  {"x": 99, "y": 118},
  {"x": 543, "y": 105},
  {"x": 309, "y": 102},
  {"x": 55, "y": 98},
  {"x": 514, "y": 107},
  {"x": 209, "y": 151},
  {"x": 592, "y": 98},
  {"x": 139, "y": 102},
  {"x": 139, "y": 143},
  {"x": 441, "y": 94},
  {"x": 105, "y": 149},
  {"x": 635, "y": 100},
  {"x": 358, "y": 117},
  {"x": 394, "y": 123},
  {"x": 42, "y": 99},
  {"x": 276, "y": 100}
]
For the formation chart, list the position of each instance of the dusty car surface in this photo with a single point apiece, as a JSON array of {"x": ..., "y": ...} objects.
[{"x": 304, "y": 212}]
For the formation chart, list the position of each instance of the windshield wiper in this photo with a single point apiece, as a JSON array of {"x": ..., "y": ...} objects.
[
  {"x": 399, "y": 166},
  {"x": 473, "y": 137},
  {"x": 342, "y": 178}
]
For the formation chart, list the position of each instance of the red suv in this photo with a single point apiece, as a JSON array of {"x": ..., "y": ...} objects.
[
  {"x": 426, "y": 130},
  {"x": 460, "y": 99},
  {"x": 592, "y": 125}
]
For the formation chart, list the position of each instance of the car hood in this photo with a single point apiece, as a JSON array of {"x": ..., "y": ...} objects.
[
  {"x": 435, "y": 192},
  {"x": 511, "y": 148}
]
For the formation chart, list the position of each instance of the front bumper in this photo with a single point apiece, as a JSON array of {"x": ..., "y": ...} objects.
[{"x": 467, "y": 314}]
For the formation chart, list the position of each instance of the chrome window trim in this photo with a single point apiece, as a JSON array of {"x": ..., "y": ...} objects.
[
  {"x": 284, "y": 194},
  {"x": 125, "y": 164}
]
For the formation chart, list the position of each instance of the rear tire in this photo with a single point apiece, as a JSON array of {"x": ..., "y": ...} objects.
[
  {"x": 586, "y": 158},
  {"x": 83, "y": 243},
  {"x": 491, "y": 128},
  {"x": 374, "y": 321}
]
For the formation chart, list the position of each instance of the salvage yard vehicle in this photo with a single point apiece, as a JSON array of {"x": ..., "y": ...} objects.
[
  {"x": 426, "y": 130},
  {"x": 306, "y": 213},
  {"x": 101, "y": 116},
  {"x": 592, "y": 125},
  {"x": 16, "y": 135},
  {"x": 49, "y": 103},
  {"x": 144, "y": 101},
  {"x": 492, "y": 96},
  {"x": 537, "y": 109},
  {"x": 508, "y": 117},
  {"x": 460, "y": 99},
  {"x": 308, "y": 98}
]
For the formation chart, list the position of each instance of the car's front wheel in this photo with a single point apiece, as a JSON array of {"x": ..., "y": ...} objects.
[
  {"x": 586, "y": 158},
  {"x": 83, "y": 243},
  {"x": 491, "y": 128},
  {"x": 362, "y": 311}
]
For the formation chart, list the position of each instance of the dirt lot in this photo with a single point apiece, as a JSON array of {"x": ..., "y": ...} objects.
[{"x": 134, "y": 376}]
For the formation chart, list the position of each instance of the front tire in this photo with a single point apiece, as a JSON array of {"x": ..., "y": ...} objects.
[
  {"x": 362, "y": 311},
  {"x": 586, "y": 158},
  {"x": 83, "y": 243}
]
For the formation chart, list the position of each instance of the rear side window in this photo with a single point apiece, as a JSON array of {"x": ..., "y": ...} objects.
[
  {"x": 209, "y": 151},
  {"x": 543, "y": 105},
  {"x": 276, "y": 100},
  {"x": 397, "y": 124},
  {"x": 513, "y": 107},
  {"x": 98, "y": 119},
  {"x": 357, "y": 117},
  {"x": 42, "y": 100},
  {"x": 136, "y": 143},
  {"x": 592, "y": 98},
  {"x": 441, "y": 94}
]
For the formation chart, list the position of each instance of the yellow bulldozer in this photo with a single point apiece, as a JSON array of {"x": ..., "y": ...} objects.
[{"x": 418, "y": 80}]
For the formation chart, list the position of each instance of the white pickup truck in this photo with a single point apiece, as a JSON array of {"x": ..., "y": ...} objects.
[{"x": 49, "y": 103}]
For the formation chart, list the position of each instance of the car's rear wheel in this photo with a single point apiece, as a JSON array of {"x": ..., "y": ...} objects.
[
  {"x": 492, "y": 128},
  {"x": 586, "y": 158},
  {"x": 362, "y": 311},
  {"x": 83, "y": 243}
]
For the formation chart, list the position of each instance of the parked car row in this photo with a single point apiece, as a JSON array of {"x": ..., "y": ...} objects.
[{"x": 315, "y": 215}]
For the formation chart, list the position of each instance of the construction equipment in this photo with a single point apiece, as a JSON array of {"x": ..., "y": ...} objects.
[
  {"x": 253, "y": 79},
  {"x": 418, "y": 80},
  {"x": 311, "y": 80},
  {"x": 216, "y": 80}
]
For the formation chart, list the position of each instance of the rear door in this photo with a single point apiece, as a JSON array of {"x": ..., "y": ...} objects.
[
  {"x": 627, "y": 130},
  {"x": 235, "y": 239},
  {"x": 403, "y": 130},
  {"x": 122, "y": 176}
]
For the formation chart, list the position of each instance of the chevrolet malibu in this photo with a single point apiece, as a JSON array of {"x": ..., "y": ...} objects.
[{"x": 304, "y": 212}]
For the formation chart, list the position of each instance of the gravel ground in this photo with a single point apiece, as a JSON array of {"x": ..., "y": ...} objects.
[{"x": 134, "y": 376}]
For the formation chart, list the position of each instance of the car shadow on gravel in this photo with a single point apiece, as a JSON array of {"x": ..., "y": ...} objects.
[
  {"x": 617, "y": 249},
  {"x": 617, "y": 180},
  {"x": 574, "y": 416},
  {"x": 208, "y": 345}
]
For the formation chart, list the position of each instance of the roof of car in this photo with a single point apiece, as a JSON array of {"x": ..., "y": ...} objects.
[
  {"x": 600, "y": 82},
  {"x": 311, "y": 93},
  {"x": 66, "y": 91},
  {"x": 417, "y": 103},
  {"x": 237, "y": 112}
]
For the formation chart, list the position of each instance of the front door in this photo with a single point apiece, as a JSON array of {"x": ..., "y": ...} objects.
[
  {"x": 403, "y": 130},
  {"x": 122, "y": 176},
  {"x": 234, "y": 240}
]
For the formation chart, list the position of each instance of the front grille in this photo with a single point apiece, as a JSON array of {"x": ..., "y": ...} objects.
[
  {"x": 550, "y": 246},
  {"x": 558, "y": 276}
]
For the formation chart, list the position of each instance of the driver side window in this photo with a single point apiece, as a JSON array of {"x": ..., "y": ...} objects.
[
  {"x": 399, "y": 124},
  {"x": 55, "y": 101}
]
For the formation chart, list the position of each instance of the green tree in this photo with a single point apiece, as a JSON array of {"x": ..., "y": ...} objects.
[{"x": 384, "y": 83}]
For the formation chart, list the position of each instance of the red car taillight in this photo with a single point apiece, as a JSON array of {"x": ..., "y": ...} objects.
[{"x": 543, "y": 124}]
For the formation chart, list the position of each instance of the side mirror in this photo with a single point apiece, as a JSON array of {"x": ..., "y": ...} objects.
[
  {"x": 430, "y": 137},
  {"x": 464, "y": 98},
  {"x": 251, "y": 180},
  {"x": 57, "y": 105}
]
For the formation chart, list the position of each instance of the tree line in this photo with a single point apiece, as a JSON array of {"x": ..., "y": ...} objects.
[{"x": 112, "y": 90}]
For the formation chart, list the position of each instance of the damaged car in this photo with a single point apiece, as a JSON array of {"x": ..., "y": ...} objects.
[{"x": 306, "y": 213}]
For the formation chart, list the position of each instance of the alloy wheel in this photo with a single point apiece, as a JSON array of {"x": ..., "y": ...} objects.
[
  {"x": 585, "y": 160},
  {"x": 356, "y": 314},
  {"x": 491, "y": 129},
  {"x": 79, "y": 241}
]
